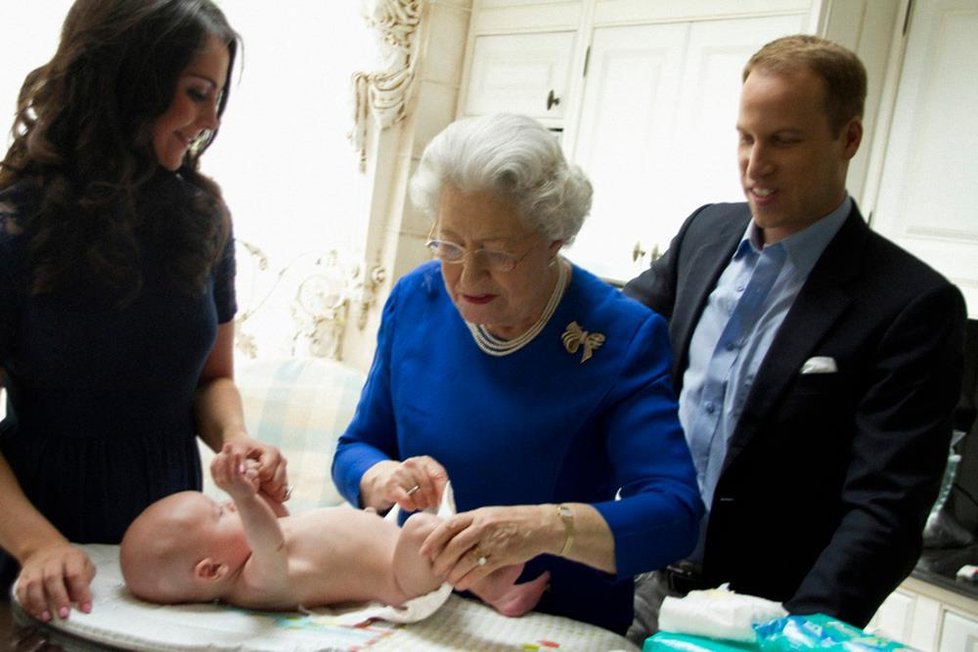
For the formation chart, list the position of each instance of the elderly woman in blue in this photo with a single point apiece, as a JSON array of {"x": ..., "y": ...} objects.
[{"x": 540, "y": 390}]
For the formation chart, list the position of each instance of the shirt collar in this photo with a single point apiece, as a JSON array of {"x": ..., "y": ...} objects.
[{"x": 806, "y": 246}]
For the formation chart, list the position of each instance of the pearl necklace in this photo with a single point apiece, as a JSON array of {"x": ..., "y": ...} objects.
[{"x": 495, "y": 346}]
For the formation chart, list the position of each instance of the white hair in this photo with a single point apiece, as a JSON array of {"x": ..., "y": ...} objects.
[{"x": 513, "y": 156}]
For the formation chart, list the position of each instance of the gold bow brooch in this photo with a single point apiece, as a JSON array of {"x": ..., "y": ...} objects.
[{"x": 575, "y": 336}]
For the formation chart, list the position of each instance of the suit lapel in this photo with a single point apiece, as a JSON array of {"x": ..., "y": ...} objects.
[{"x": 820, "y": 303}]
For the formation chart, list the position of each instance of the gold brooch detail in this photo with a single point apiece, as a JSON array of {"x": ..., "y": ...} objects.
[{"x": 575, "y": 336}]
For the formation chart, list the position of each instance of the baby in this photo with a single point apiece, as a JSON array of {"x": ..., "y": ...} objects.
[{"x": 250, "y": 553}]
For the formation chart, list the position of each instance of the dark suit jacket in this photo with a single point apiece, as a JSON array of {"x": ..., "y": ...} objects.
[{"x": 829, "y": 477}]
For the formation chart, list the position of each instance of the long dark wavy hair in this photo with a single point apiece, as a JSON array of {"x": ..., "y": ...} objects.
[{"x": 83, "y": 136}]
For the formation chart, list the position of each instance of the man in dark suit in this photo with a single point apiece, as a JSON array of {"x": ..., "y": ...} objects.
[{"x": 818, "y": 364}]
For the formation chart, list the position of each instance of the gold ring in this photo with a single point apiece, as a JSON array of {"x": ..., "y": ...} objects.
[
  {"x": 480, "y": 558},
  {"x": 413, "y": 490}
]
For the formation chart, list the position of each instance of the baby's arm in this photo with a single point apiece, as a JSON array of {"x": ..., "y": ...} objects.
[
  {"x": 267, "y": 568},
  {"x": 278, "y": 507}
]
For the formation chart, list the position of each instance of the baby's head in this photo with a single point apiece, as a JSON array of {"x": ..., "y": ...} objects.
[{"x": 183, "y": 548}]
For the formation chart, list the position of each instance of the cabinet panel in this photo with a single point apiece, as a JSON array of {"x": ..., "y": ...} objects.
[
  {"x": 632, "y": 11},
  {"x": 501, "y": 16},
  {"x": 657, "y": 131},
  {"x": 959, "y": 634},
  {"x": 895, "y": 616},
  {"x": 521, "y": 73},
  {"x": 929, "y": 185}
]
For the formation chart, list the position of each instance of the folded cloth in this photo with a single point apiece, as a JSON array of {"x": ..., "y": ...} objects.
[
  {"x": 411, "y": 611},
  {"x": 718, "y": 613}
]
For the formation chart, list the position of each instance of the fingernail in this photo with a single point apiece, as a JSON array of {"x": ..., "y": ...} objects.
[
  {"x": 46, "y": 616},
  {"x": 63, "y": 612},
  {"x": 87, "y": 608}
]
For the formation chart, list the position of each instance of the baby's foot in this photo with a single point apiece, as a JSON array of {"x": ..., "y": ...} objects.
[{"x": 518, "y": 599}]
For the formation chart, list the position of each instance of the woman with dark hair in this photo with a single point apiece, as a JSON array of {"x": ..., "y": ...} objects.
[{"x": 116, "y": 289}]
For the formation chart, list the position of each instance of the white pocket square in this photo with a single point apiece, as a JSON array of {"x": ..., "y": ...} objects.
[{"x": 820, "y": 364}]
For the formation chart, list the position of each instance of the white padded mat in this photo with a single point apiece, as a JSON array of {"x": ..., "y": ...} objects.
[{"x": 121, "y": 621}]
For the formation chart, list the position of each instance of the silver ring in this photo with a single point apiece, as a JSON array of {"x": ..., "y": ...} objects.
[
  {"x": 413, "y": 490},
  {"x": 288, "y": 491}
]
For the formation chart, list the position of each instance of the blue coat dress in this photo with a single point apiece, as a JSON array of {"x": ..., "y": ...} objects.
[{"x": 538, "y": 426}]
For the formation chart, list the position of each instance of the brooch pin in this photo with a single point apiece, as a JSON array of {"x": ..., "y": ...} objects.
[{"x": 575, "y": 337}]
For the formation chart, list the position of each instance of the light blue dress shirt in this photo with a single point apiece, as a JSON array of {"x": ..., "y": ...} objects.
[{"x": 739, "y": 322}]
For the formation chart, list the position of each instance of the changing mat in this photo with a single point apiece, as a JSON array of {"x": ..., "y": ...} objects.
[{"x": 121, "y": 621}]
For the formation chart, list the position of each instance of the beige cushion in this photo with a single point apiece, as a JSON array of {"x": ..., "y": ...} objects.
[{"x": 302, "y": 406}]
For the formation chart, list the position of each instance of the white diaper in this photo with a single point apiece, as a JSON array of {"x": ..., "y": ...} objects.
[{"x": 414, "y": 609}]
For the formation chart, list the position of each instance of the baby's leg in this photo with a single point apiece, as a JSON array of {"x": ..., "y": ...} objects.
[
  {"x": 414, "y": 575},
  {"x": 412, "y": 572},
  {"x": 498, "y": 590}
]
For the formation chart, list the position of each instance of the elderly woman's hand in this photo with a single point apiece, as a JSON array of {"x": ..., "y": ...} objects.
[
  {"x": 53, "y": 578},
  {"x": 470, "y": 545},
  {"x": 416, "y": 483}
]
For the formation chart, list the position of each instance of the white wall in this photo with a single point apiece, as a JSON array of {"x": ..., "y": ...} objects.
[
  {"x": 30, "y": 37},
  {"x": 283, "y": 159}
]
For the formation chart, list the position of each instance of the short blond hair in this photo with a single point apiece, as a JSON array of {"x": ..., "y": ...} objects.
[{"x": 841, "y": 70}]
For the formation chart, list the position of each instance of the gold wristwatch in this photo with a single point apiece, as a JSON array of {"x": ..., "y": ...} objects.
[{"x": 567, "y": 516}]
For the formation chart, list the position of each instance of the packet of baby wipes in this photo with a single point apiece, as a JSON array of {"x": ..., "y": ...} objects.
[
  {"x": 672, "y": 642},
  {"x": 819, "y": 632},
  {"x": 718, "y": 613}
]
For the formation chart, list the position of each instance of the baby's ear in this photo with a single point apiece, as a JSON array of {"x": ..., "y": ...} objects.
[{"x": 210, "y": 570}]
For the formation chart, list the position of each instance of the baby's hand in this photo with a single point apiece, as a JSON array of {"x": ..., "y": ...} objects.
[{"x": 235, "y": 474}]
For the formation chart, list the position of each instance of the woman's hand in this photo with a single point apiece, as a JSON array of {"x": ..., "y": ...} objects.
[
  {"x": 470, "y": 545},
  {"x": 272, "y": 476},
  {"x": 416, "y": 483},
  {"x": 235, "y": 474},
  {"x": 53, "y": 578}
]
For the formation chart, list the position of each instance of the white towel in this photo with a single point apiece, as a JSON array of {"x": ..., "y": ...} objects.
[
  {"x": 414, "y": 609},
  {"x": 718, "y": 613}
]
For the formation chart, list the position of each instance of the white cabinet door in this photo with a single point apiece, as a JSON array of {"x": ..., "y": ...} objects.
[
  {"x": 657, "y": 131},
  {"x": 959, "y": 634},
  {"x": 895, "y": 617},
  {"x": 929, "y": 186},
  {"x": 521, "y": 73}
]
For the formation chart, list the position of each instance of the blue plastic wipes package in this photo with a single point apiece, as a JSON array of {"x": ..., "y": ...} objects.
[
  {"x": 670, "y": 642},
  {"x": 819, "y": 632}
]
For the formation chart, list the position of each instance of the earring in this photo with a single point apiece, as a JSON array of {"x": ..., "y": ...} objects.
[{"x": 553, "y": 261}]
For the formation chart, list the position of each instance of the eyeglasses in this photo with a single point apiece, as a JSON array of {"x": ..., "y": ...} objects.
[{"x": 453, "y": 254}]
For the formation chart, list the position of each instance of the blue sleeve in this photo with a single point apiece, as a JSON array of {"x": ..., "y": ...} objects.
[
  {"x": 656, "y": 521},
  {"x": 371, "y": 436},
  {"x": 224, "y": 296}
]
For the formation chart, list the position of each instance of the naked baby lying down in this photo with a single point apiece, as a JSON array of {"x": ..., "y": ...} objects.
[{"x": 250, "y": 553}]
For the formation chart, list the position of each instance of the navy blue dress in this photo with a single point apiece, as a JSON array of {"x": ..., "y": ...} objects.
[{"x": 100, "y": 398}]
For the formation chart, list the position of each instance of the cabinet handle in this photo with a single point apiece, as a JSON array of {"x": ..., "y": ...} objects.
[
  {"x": 637, "y": 252},
  {"x": 552, "y": 100}
]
